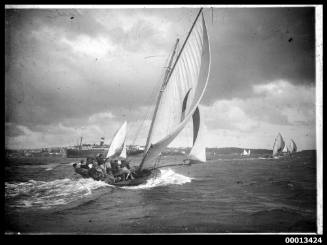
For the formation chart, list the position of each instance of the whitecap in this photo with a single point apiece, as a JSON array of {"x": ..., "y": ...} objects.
[
  {"x": 45, "y": 194},
  {"x": 165, "y": 177}
]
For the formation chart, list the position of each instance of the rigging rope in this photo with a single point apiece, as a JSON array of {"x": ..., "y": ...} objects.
[{"x": 146, "y": 114}]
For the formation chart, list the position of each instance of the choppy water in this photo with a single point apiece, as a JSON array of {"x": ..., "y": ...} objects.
[{"x": 227, "y": 194}]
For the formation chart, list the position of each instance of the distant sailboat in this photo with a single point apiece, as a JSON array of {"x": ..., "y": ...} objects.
[
  {"x": 292, "y": 147},
  {"x": 246, "y": 153},
  {"x": 198, "y": 151},
  {"x": 278, "y": 145}
]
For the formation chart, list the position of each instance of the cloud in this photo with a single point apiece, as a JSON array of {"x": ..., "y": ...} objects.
[
  {"x": 237, "y": 122},
  {"x": 296, "y": 103},
  {"x": 68, "y": 69},
  {"x": 228, "y": 114},
  {"x": 95, "y": 48},
  {"x": 277, "y": 106},
  {"x": 277, "y": 102},
  {"x": 52, "y": 135},
  {"x": 69, "y": 132},
  {"x": 56, "y": 77},
  {"x": 13, "y": 130},
  {"x": 31, "y": 139},
  {"x": 252, "y": 46}
]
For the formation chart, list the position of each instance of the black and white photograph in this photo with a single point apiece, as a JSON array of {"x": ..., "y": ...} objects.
[{"x": 163, "y": 119}]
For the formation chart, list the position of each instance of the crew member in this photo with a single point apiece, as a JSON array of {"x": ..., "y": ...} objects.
[
  {"x": 100, "y": 159},
  {"x": 84, "y": 165},
  {"x": 125, "y": 169},
  {"x": 125, "y": 163},
  {"x": 114, "y": 166},
  {"x": 89, "y": 162},
  {"x": 82, "y": 171},
  {"x": 97, "y": 172}
]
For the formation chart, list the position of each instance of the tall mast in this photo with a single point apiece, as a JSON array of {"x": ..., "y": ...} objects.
[
  {"x": 162, "y": 89},
  {"x": 80, "y": 143},
  {"x": 166, "y": 80}
]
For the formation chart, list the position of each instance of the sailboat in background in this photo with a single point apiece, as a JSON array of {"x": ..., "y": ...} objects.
[
  {"x": 246, "y": 153},
  {"x": 198, "y": 151},
  {"x": 117, "y": 150},
  {"x": 279, "y": 145},
  {"x": 117, "y": 147},
  {"x": 292, "y": 148}
]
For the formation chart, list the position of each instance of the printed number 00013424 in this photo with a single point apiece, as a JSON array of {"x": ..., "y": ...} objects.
[{"x": 303, "y": 240}]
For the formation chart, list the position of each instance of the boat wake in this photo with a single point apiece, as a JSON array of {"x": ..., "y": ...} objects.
[
  {"x": 49, "y": 194},
  {"x": 49, "y": 167},
  {"x": 165, "y": 177},
  {"x": 242, "y": 159},
  {"x": 255, "y": 158},
  {"x": 41, "y": 194},
  {"x": 54, "y": 165}
]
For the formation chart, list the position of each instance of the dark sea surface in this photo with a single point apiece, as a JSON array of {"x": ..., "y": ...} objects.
[{"x": 228, "y": 194}]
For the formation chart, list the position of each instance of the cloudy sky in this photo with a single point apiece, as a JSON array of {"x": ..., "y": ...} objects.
[{"x": 83, "y": 72}]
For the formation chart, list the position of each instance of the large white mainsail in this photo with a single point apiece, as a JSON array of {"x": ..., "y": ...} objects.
[
  {"x": 117, "y": 147},
  {"x": 181, "y": 92},
  {"x": 198, "y": 151},
  {"x": 292, "y": 147},
  {"x": 278, "y": 145}
]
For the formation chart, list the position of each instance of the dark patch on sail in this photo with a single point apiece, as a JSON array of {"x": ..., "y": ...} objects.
[
  {"x": 184, "y": 104},
  {"x": 196, "y": 124}
]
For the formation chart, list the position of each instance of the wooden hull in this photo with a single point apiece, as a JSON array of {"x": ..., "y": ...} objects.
[
  {"x": 133, "y": 182},
  {"x": 140, "y": 178}
]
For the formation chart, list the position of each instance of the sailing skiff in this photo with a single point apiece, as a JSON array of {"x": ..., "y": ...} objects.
[
  {"x": 278, "y": 147},
  {"x": 183, "y": 86}
]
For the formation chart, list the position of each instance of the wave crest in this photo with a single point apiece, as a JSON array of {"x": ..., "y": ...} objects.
[
  {"x": 47, "y": 194},
  {"x": 165, "y": 177},
  {"x": 44, "y": 194}
]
